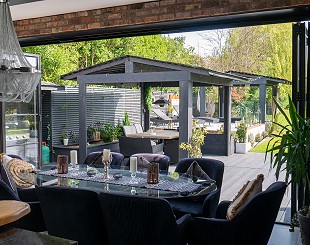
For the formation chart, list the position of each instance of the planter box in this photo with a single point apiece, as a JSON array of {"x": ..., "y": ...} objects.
[
  {"x": 99, "y": 146},
  {"x": 243, "y": 147}
]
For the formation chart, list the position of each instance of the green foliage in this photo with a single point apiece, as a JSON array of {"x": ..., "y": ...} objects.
[
  {"x": 126, "y": 121},
  {"x": 258, "y": 137},
  {"x": 148, "y": 96},
  {"x": 290, "y": 148},
  {"x": 241, "y": 133},
  {"x": 264, "y": 50},
  {"x": 64, "y": 134},
  {"x": 59, "y": 59},
  {"x": 196, "y": 141},
  {"x": 109, "y": 133}
]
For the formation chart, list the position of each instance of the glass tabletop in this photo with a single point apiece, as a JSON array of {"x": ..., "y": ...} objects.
[{"x": 169, "y": 186}]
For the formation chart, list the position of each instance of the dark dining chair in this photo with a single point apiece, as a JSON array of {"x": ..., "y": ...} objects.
[
  {"x": 252, "y": 225},
  {"x": 34, "y": 220},
  {"x": 204, "y": 205},
  {"x": 137, "y": 220},
  {"x": 129, "y": 146},
  {"x": 73, "y": 214},
  {"x": 95, "y": 159},
  {"x": 163, "y": 160}
]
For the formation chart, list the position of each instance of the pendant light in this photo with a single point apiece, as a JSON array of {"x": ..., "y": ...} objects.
[
  {"x": 161, "y": 101},
  {"x": 18, "y": 78}
]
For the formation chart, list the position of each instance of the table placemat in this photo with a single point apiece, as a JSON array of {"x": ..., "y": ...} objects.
[{"x": 165, "y": 185}]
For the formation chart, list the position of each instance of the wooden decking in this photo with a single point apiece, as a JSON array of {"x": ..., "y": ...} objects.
[{"x": 242, "y": 167}]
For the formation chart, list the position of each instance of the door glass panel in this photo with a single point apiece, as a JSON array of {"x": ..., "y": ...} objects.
[{"x": 22, "y": 127}]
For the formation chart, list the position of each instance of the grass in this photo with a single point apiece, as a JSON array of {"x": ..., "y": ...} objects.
[{"x": 262, "y": 146}]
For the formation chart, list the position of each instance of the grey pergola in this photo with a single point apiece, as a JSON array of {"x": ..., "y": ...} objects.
[
  {"x": 138, "y": 71},
  {"x": 262, "y": 82}
]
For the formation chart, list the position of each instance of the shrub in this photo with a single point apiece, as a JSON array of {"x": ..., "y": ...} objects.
[
  {"x": 258, "y": 137},
  {"x": 241, "y": 133}
]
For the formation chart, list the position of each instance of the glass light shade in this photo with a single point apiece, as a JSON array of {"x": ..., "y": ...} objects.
[{"x": 18, "y": 79}]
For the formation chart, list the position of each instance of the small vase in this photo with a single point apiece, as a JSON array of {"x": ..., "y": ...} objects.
[{"x": 66, "y": 141}]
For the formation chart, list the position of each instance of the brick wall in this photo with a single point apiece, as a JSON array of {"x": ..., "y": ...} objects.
[{"x": 145, "y": 13}]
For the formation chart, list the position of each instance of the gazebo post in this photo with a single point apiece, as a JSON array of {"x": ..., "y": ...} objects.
[
  {"x": 227, "y": 118},
  {"x": 82, "y": 121},
  {"x": 221, "y": 101},
  {"x": 202, "y": 94},
  {"x": 185, "y": 114},
  {"x": 262, "y": 101},
  {"x": 145, "y": 113}
]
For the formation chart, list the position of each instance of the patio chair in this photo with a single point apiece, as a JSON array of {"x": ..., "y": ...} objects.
[
  {"x": 34, "y": 220},
  {"x": 129, "y": 146},
  {"x": 252, "y": 225},
  {"x": 138, "y": 127},
  {"x": 130, "y": 129},
  {"x": 73, "y": 214},
  {"x": 95, "y": 159},
  {"x": 163, "y": 160},
  {"x": 204, "y": 205},
  {"x": 144, "y": 220}
]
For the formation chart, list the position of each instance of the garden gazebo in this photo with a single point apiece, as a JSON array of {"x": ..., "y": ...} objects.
[{"x": 138, "y": 71}]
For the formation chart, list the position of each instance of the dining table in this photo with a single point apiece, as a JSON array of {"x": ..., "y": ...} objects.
[
  {"x": 157, "y": 134},
  {"x": 170, "y": 185}
]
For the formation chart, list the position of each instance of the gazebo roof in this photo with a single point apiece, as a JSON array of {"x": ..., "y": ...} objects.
[
  {"x": 256, "y": 79},
  {"x": 158, "y": 69}
]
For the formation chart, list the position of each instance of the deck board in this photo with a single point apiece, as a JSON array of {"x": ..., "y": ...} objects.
[{"x": 240, "y": 168}]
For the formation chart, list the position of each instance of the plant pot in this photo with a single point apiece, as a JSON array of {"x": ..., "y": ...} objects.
[
  {"x": 66, "y": 141},
  {"x": 243, "y": 147},
  {"x": 304, "y": 228}
]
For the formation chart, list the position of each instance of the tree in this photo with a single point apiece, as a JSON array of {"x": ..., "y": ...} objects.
[{"x": 59, "y": 59}]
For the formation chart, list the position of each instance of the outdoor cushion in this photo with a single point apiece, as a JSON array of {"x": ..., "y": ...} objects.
[
  {"x": 249, "y": 189},
  {"x": 16, "y": 172},
  {"x": 5, "y": 173}
]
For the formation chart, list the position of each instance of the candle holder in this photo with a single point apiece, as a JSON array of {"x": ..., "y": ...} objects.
[
  {"x": 106, "y": 167},
  {"x": 133, "y": 176},
  {"x": 152, "y": 173},
  {"x": 62, "y": 164}
]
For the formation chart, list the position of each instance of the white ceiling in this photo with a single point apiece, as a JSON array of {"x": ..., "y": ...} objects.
[{"x": 54, "y": 7}]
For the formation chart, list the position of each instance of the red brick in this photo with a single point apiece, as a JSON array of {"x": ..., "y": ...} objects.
[
  {"x": 192, "y": 6},
  {"x": 88, "y": 19},
  {"x": 184, "y": 15},
  {"x": 167, "y": 2},
  {"x": 114, "y": 16},
  {"x": 69, "y": 16},
  {"x": 94, "y": 25},
  {"x": 81, "y": 14},
  {"x": 151, "y": 4},
  {"x": 166, "y": 17},
  {"x": 150, "y": 19}
]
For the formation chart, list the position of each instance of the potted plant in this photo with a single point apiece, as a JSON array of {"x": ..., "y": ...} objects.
[
  {"x": 196, "y": 141},
  {"x": 65, "y": 137},
  {"x": 290, "y": 150},
  {"x": 242, "y": 146}
]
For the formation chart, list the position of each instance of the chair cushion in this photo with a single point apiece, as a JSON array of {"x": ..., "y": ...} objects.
[
  {"x": 195, "y": 171},
  {"x": 249, "y": 189},
  {"x": 16, "y": 172}
]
